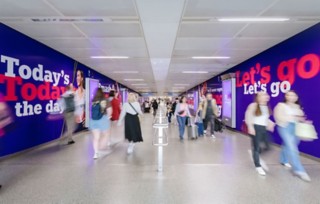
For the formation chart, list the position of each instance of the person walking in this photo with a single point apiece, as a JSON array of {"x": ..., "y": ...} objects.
[
  {"x": 67, "y": 103},
  {"x": 101, "y": 112},
  {"x": 169, "y": 111},
  {"x": 181, "y": 113},
  {"x": 287, "y": 114},
  {"x": 257, "y": 120},
  {"x": 115, "y": 104},
  {"x": 130, "y": 111},
  {"x": 155, "y": 107},
  {"x": 210, "y": 111},
  {"x": 199, "y": 120}
]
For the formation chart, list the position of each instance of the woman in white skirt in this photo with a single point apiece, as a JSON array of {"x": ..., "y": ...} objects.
[{"x": 132, "y": 129}]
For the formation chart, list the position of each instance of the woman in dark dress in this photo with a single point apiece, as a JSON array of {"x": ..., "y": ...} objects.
[{"x": 132, "y": 129}]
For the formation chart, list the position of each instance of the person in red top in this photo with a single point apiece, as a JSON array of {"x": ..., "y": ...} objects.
[{"x": 115, "y": 104}]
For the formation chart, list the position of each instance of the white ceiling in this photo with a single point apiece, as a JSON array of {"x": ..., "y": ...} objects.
[{"x": 160, "y": 37}]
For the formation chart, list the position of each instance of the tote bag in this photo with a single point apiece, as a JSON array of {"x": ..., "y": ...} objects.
[{"x": 306, "y": 131}]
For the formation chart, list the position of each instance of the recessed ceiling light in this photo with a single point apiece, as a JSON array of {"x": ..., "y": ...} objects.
[
  {"x": 195, "y": 72},
  {"x": 133, "y": 79},
  {"x": 109, "y": 57},
  {"x": 210, "y": 57},
  {"x": 125, "y": 72},
  {"x": 255, "y": 19}
]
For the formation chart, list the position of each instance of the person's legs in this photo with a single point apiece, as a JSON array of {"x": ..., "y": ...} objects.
[
  {"x": 70, "y": 123},
  {"x": 96, "y": 138},
  {"x": 205, "y": 124},
  {"x": 169, "y": 117},
  {"x": 182, "y": 124},
  {"x": 211, "y": 120},
  {"x": 104, "y": 140},
  {"x": 256, "y": 139},
  {"x": 292, "y": 151}
]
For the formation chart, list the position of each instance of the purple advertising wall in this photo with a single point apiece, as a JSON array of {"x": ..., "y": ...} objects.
[
  {"x": 293, "y": 64},
  {"x": 32, "y": 78}
]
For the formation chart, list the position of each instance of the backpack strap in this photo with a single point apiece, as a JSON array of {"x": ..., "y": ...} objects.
[{"x": 133, "y": 108}]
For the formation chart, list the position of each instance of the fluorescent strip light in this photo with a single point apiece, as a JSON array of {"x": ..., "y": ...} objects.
[
  {"x": 126, "y": 72},
  {"x": 109, "y": 57},
  {"x": 195, "y": 72},
  {"x": 133, "y": 79},
  {"x": 210, "y": 57},
  {"x": 256, "y": 19},
  {"x": 139, "y": 84}
]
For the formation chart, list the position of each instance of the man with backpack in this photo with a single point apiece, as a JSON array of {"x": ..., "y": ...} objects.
[{"x": 68, "y": 107}]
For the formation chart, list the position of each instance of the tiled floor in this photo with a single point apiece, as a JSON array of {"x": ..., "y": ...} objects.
[{"x": 199, "y": 172}]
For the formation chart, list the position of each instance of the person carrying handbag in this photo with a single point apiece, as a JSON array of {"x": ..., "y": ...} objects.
[
  {"x": 130, "y": 112},
  {"x": 181, "y": 113},
  {"x": 287, "y": 114}
]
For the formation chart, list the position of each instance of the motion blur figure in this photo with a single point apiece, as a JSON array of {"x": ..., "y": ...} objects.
[
  {"x": 6, "y": 118},
  {"x": 257, "y": 119},
  {"x": 287, "y": 114}
]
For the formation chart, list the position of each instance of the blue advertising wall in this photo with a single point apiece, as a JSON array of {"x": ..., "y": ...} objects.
[
  {"x": 32, "y": 78},
  {"x": 293, "y": 64}
]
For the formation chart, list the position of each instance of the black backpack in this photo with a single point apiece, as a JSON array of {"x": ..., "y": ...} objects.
[
  {"x": 96, "y": 113},
  {"x": 70, "y": 105}
]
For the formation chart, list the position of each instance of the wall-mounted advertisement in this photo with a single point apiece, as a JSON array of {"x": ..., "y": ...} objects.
[
  {"x": 291, "y": 65},
  {"x": 31, "y": 83},
  {"x": 228, "y": 102}
]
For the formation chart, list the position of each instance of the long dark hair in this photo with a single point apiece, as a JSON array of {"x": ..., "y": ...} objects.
[
  {"x": 297, "y": 102},
  {"x": 112, "y": 93},
  {"x": 258, "y": 111},
  {"x": 83, "y": 79},
  {"x": 99, "y": 95},
  {"x": 182, "y": 97}
]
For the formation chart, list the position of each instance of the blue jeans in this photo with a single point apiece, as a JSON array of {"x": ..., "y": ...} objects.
[
  {"x": 289, "y": 149},
  {"x": 182, "y": 124},
  {"x": 200, "y": 129}
]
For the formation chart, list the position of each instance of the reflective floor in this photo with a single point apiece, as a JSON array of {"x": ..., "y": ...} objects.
[{"x": 201, "y": 171}]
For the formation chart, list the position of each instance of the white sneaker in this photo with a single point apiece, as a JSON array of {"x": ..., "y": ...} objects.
[
  {"x": 214, "y": 137},
  {"x": 130, "y": 148},
  {"x": 96, "y": 155},
  {"x": 205, "y": 132},
  {"x": 304, "y": 176},
  {"x": 264, "y": 165},
  {"x": 286, "y": 165},
  {"x": 261, "y": 171}
]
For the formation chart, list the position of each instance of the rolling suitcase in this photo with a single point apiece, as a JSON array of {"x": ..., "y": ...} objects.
[{"x": 192, "y": 132}]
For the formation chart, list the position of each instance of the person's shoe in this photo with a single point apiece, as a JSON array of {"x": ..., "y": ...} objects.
[
  {"x": 181, "y": 139},
  {"x": 214, "y": 137},
  {"x": 130, "y": 148},
  {"x": 96, "y": 155},
  {"x": 261, "y": 171},
  {"x": 205, "y": 132},
  {"x": 264, "y": 165},
  {"x": 71, "y": 142},
  {"x": 286, "y": 165},
  {"x": 304, "y": 176},
  {"x": 0, "y": 186}
]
